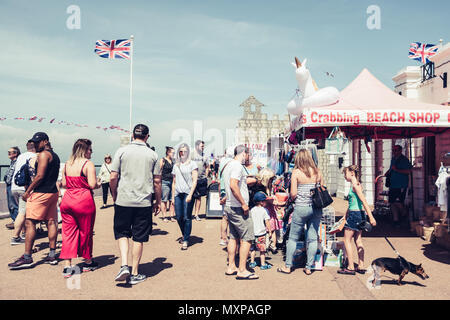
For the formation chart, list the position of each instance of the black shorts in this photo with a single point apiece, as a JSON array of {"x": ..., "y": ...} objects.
[
  {"x": 133, "y": 222},
  {"x": 202, "y": 188},
  {"x": 397, "y": 195}
]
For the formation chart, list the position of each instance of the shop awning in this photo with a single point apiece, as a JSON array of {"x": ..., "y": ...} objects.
[{"x": 368, "y": 108}]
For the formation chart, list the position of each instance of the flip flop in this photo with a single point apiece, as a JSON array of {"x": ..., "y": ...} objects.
[
  {"x": 307, "y": 272},
  {"x": 346, "y": 271},
  {"x": 234, "y": 273},
  {"x": 361, "y": 271},
  {"x": 282, "y": 271},
  {"x": 250, "y": 276}
]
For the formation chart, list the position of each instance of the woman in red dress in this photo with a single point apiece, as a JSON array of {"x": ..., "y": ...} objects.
[{"x": 78, "y": 208}]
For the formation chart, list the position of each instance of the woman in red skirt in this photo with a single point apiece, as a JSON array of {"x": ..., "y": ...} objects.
[{"x": 78, "y": 208}]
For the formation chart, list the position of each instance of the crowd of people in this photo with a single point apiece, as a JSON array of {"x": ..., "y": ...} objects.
[{"x": 142, "y": 185}]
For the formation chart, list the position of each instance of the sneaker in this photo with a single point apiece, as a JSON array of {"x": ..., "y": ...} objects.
[
  {"x": 198, "y": 218},
  {"x": 252, "y": 265},
  {"x": 21, "y": 263},
  {"x": 51, "y": 260},
  {"x": 137, "y": 279},
  {"x": 10, "y": 226},
  {"x": 16, "y": 241},
  {"x": 89, "y": 267},
  {"x": 68, "y": 272},
  {"x": 266, "y": 266},
  {"x": 22, "y": 236},
  {"x": 123, "y": 274},
  {"x": 223, "y": 243},
  {"x": 185, "y": 245}
]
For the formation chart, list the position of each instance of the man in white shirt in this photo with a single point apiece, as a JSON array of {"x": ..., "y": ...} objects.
[
  {"x": 236, "y": 208},
  {"x": 17, "y": 193}
]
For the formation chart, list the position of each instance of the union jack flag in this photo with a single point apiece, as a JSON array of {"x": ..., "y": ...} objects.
[
  {"x": 422, "y": 51},
  {"x": 113, "y": 49}
]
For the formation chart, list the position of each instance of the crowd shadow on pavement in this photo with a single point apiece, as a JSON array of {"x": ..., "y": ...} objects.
[
  {"x": 159, "y": 232},
  {"x": 105, "y": 260},
  {"x": 436, "y": 253},
  {"x": 193, "y": 240},
  {"x": 150, "y": 269}
]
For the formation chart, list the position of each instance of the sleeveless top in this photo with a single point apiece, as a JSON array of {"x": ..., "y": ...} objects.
[
  {"x": 74, "y": 182},
  {"x": 354, "y": 203},
  {"x": 48, "y": 184},
  {"x": 167, "y": 170},
  {"x": 304, "y": 194}
]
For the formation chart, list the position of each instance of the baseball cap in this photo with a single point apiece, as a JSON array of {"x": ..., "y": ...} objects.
[
  {"x": 39, "y": 136},
  {"x": 259, "y": 196},
  {"x": 140, "y": 130}
]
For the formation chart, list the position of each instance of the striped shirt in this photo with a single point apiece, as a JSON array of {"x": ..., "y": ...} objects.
[{"x": 304, "y": 194}]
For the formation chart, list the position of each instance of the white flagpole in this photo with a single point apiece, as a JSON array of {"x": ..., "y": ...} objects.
[{"x": 131, "y": 81}]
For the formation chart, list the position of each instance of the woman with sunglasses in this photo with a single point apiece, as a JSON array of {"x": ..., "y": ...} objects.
[
  {"x": 78, "y": 208},
  {"x": 185, "y": 173}
]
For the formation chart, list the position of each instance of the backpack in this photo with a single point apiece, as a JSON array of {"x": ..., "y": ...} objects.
[{"x": 22, "y": 177}]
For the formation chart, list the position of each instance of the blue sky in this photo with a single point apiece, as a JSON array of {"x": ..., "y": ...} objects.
[{"x": 194, "y": 60}]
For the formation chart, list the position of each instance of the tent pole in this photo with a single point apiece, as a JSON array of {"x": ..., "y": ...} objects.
[{"x": 413, "y": 217}]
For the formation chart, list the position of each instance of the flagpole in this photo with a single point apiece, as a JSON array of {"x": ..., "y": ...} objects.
[{"x": 131, "y": 81}]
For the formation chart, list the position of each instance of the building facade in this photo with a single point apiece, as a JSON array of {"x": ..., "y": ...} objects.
[{"x": 255, "y": 129}]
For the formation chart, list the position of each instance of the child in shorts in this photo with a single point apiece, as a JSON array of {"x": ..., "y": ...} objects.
[{"x": 261, "y": 226}]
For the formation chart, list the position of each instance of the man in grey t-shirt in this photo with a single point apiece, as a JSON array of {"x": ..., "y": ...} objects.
[
  {"x": 202, "y": 180},
  {"x": 135, "y": 176},
  {"x": 237, "y": 211}
]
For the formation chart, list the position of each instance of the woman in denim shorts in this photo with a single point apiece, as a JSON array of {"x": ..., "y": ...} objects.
[
  {"x": 166, "y": 165},
  {"x": 357, "y": 204}
]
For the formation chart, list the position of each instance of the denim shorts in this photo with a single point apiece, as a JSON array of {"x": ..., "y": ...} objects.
[
  {"x": 166, "y": 187},
  {"x": 354, "y": 218}
]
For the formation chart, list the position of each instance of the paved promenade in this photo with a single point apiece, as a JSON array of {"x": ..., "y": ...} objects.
[{"x": 199, "y": 272}]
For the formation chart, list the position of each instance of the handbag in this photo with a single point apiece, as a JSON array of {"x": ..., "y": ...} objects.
[
  {"x": 320, "y": 196},
  {"x": 338, "y": 226}
]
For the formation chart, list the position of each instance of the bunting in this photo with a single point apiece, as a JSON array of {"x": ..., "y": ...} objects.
[{"x": 52, "y": 121}]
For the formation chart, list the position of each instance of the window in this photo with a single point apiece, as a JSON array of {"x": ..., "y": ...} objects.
[{"x": 427, "y": 71}]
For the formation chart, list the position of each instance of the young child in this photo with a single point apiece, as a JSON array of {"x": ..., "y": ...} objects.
[{"x": 261, "y": 226}]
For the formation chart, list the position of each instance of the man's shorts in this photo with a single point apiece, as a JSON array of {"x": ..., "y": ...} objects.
[
  {"x": 241, "y": 226},
  {"x": 259, "y": 244},
  {"x": 397, "y": 195},
  {"x": 42, "y": 206},
  {"x": 17, "y": 194},
  {"x": 133, "y": 222}
]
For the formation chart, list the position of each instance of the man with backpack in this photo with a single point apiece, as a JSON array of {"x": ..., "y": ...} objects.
[{"x": 18, "y": 185}]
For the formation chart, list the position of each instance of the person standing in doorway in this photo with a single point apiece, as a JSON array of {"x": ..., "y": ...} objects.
[
  {"x": 41, "y": 198},
  {"x": 398, "y": 174},
  {"x": 202, "y": 180},
  {"x": 135, "y": 176},
  {"x": 104, "y": 177}
]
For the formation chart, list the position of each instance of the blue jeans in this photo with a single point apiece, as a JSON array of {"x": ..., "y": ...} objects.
[
  {"x": 183, "y": 212},
  {"x": 309, "y": 216},
  {"x": 13, "y": 206}
]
